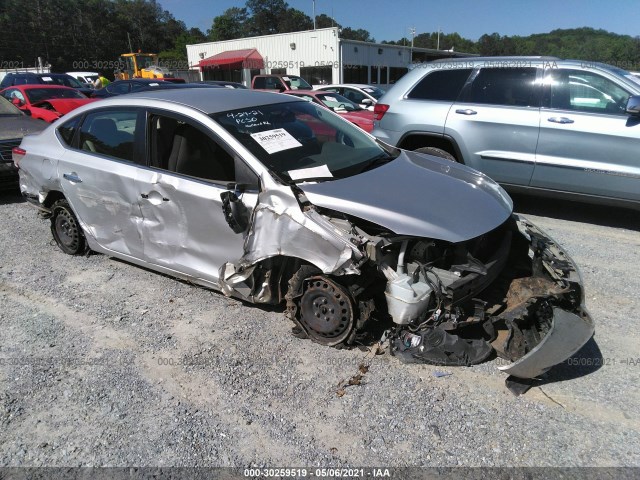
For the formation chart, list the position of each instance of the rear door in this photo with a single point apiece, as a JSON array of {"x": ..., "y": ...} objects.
[
  {"x": 588, "y": 144},
  {"x": 98, "y": 178},
  {"x": 496, "y": 121}
]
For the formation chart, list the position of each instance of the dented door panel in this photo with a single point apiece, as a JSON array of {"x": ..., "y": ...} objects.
[{"x": 183, "y": 225}]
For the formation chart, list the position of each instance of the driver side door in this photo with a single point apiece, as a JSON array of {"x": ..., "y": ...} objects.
[{"x": 587, "y": 142}]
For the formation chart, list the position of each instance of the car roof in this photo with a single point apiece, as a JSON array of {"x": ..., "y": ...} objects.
[
  {"x": 83, "y": 74},
  {"x": 212, "y": 100},
  {"x": 42, "y": 86},
  {"x": 356, "y": 85},
  {"x": 140, "y": 80}
]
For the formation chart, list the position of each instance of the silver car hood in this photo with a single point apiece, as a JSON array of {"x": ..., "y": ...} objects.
[{"x": 418, "y": 195}]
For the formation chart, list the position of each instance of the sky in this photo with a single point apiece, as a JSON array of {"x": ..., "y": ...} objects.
[{"x": 392, "y": 19}]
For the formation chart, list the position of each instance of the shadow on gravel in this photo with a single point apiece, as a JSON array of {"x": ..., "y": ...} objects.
[
  {"x": 11, "y": 196},
  {"x": 586, "y": 361},
  {"x": 616, "y": 217}
]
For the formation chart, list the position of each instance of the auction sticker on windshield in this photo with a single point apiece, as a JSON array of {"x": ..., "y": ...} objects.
[
  {"x": 277, "y": 140},
  {"x": 313, "y": 172}
]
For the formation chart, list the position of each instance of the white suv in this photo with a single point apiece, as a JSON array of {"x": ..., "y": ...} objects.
[{"x": 563, "y": 128}]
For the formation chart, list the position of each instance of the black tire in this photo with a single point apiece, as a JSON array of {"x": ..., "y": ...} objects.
[
  {"x": 321, "y": 308},
  {"x": 66, "y": 230},
  {"x": 436, "y": 152}
]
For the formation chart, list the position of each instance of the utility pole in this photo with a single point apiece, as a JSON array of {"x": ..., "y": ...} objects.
[
  {"x": 314, "y": 14},
  {"x": 412, "y": 30},
  {"x": 438, "y": 45},
  {"x": 130, "y": 47}
]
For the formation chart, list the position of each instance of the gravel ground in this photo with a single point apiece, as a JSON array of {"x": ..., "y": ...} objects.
[{"x": 108, "y": 364}]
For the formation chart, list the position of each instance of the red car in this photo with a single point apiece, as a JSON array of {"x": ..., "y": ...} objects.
[
  {"x": 45, "y": 102},
  {"x": 342, "y": 106}
]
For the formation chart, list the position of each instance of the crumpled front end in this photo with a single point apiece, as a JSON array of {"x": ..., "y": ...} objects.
[
  {"x": 511, "y": 291},
  {"x": 546, "y": 319},
  {"x": 522, "y": 297}
]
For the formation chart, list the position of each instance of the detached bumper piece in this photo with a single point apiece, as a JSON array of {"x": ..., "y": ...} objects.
[{"x": 568, "y": 333}]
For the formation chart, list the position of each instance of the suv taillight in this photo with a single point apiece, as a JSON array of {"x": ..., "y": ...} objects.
[
  {"x": 18, "y": 154},
  {"x": 379, "y": 110}
]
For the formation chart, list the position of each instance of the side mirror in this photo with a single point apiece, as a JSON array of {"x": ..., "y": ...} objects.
[
  {"x": 235, "y": 212},
  {"x": 633, "y": 105},
  {"x": 17, "y": 102},
  {"x": 366, "y": 101}
]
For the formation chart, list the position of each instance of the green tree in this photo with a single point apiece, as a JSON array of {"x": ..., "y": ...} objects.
[
  {"x": 230, "y": 25},
  {"x": 265, "y": 16},
  {"x": 325, "y": 21},
  {"x": 293, "y": 20},
  {"x": 349, "y": 33}
]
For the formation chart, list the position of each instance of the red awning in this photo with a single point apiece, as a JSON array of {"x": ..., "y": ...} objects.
[{"x": 234, "y": 60}]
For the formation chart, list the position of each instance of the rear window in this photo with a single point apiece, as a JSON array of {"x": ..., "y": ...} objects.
[
  {"x": 441, "y": 85},
  {"x": 505, "y": 86},
  {"x": 68, "y": 129}
]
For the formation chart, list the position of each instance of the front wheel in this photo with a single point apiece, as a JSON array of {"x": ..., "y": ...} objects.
[
  {"x": 321, "y": 307},
  {"x": 436, "y": 152},
  {"x": 66, "y": 230}
]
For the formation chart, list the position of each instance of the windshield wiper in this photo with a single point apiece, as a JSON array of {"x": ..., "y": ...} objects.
[{"x": 376, "y": 161}]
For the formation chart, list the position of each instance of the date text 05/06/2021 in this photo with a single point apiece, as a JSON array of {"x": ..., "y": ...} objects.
[{"x": 317, "y": 472}]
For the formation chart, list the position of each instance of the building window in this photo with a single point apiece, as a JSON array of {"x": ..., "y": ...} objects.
[
  {"x": 317, "y": 75},
  {"x": 222, "y": 74},
  {"x": 356, "y": 74},
  {"x": 395, "y": 73}
]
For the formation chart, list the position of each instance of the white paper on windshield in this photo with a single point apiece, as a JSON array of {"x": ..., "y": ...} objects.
[
  {"x": 277, "y": 140},
  {"x": 47, "y": 79},
  {"x": 286, "y": 79},
  {"x": 327, "y": 98},
  {"x": 368, "y": 89},
  {"x": 313, "y": 172}
]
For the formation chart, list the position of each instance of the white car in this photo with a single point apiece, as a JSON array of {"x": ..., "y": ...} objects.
[
  {"x": 364, "y": 95},
  {"x": 86, "y": 78}
]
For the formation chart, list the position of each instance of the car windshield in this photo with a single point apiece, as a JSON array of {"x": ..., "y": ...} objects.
[
  {"x": 337, "y": 102},
  {"x": 375, "y": 92},
  {"x": 301, "y": 141},
  {"x": 296, "y": 83},
  {"x": 7, "y": 108},
  {"x": 38, "y": 94}
]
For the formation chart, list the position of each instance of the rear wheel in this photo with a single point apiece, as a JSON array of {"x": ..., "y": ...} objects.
[
  {"x": 66, "y": 230},
  {"x": 436, "y": 152}
]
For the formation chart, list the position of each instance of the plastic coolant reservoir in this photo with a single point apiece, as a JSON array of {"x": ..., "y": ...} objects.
[{"x": 406, "y": 299}]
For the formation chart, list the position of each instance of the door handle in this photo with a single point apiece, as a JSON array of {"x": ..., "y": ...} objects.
[
  {"x": 560, "y": 120},
  {"x": 144, "y": 195},
  {"x": 466, "y": 111},
  {"x": 72, "y": 177}
]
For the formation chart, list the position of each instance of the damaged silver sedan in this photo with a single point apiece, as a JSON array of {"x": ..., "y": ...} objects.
[{"x": 274, "y": 200}]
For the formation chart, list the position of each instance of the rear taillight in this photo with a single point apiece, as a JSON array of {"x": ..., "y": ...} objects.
[
  {"x": 18, "y": 154},
  {"x": 379, "y": 110}
]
